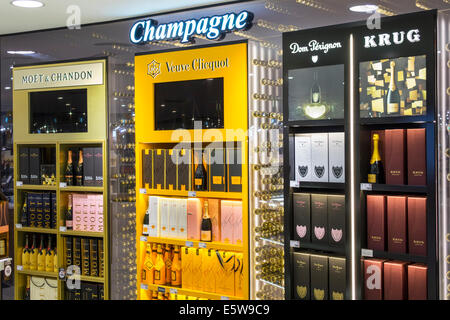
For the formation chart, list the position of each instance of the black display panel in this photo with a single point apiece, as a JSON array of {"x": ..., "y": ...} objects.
[
  {"x": 316, "y": 93},
  {"x": 178, "y": 104},
  {"x": 61, "y": 111}
]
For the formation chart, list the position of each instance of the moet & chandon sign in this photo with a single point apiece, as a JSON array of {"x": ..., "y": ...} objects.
[
  {"x": 213, "y": 28},
  {"x": 388, "y": 39}
]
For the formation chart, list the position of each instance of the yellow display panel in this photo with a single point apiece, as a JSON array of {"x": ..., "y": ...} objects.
[
  {"x": 230, "y": 62},
  {"x": 95, "y": 136}
]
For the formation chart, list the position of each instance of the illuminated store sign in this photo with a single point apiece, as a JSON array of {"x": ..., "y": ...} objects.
[
  {"x": 213, "y": 28},
  {"x": 387, "y": 39}
]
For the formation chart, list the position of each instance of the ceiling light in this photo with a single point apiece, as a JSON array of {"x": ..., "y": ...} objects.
[
  {"x": 7, "y": 88},
  {"x": 20, "y": 52},
  {"x": 27, "y": 3},
  {"x": 367, "y": 8}
]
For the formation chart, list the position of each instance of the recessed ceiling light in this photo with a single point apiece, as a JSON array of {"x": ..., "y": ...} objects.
[
  {"x": 20, "y": 52},
  {"x": 367, "y": 8},
  {"x": 27, "y": 3},
  {"x": 7, "y": 88}
]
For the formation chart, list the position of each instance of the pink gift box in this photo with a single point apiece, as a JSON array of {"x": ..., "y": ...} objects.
[
  {"x": 237, "y": 222},
  {"x": 226, "y": 221},
  {"x": 194, "y": 219}
]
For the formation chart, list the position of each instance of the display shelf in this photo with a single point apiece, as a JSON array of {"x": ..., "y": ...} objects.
[
  {"x": 393, "y": 256},
  {"x": 194, "y": 243},
  {"x": 319, "y": 247},
  {"x": 38, "y": 273},
  {"x": 37, "y": 187},
  {"x": 394, "y": 120},
  {"x": 81, "y": 189},
  {"x": 37, "y": 230},
  {"x": 92, "y": 279},
  {"x": 393, "y": 188},
  {"x": 316, "y": 123},
  {"x": 189, "y": 292},
  {"x": 319, "y": 185},
  {"x": 193, "y": 194},
  {"x": 81, "y": 234}
]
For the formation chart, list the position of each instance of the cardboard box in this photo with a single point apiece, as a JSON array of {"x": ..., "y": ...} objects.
[
  {"x": 68, "y": 252},
  {"x": 197, "y": 283},
  {"x": 214, "y": 214},
  {"x": 39, "y": 210},
  {"x": 336, "y": 161},
  {"x": 209, "y": 269},
  {"x": 396, "y": 226},
  {"x": 77, "y": 252},
  {"x": 173, "y": 211},
  {"x": 319, "y": 218},
  {"x": 225, "y": 274},
  {"x": 98, "y": 166},
  {"x": 159, "y": 169},
  {"x": 395, "y": 156},
  {"x": 101, "y": 259},
  {"x": 171, "y": 169},
  {"x": 417, "y": 162},
  {"x": 182, "y": 219},
  {"x": 417, "y": 282},
  {"x": 147, "y": 168},
  {"x": 373, "y": 279},
  {"x": 194, "y": 218},
  {"x": 85, "y": 257},
  {"x": 47, "y": 210},
  {"x": 336, "y": 220},
  {"x": 217, "y": 170},
  {"x": 302, "y": 216},
  {"x": 303, "y": 152},
  {"x": 187, "y": 261},
  {"x": 35, "y": 165},
  {"x": 184, "y": 169},
  {"x": 154, "y": 217},
  {"x": 93, "y": 257},
  {"x": 234, "y": 172},
  {"x": 237, "y": 223},
  {"x": 395, "y": 285},
  {"x": 226, "y": 221},
  {"x": 337, "y": 278},
  {"x": 417, "y": 225},
  {"x": 376, "y": 222},
  {"x": 239, "y": 275},
  {"x": 319, "y": 277},
  {"x": 54, "y": 211},
  {"x": 292, "y": 157},
  {"x": 301, "y": 267},
  {"x": 89, "y": 167},
  {"x": 164, "y": 217},
  {"x": 24, "y": 165},
  {"x": 319, "y": 157}
]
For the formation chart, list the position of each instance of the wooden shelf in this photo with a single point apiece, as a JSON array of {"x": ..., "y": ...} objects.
[
  {"x": 36, "y": 187},
  {"x": 81, "y": 189},
  {"x": 195, "y": 244},
  {"x": 189, "y": 292},
  {"x": 38, "y": 273},
  {"x": 198, "y": 194},
  {"x": 37, "y": 230},
  {"x": 396, "y": 256},
  {"x": 81, "y": 233}
]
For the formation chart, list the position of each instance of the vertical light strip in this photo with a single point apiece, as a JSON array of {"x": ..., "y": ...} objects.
[{"x": 353, "y": 253}]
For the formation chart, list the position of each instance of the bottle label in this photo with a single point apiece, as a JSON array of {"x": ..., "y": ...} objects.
[
  {"x": 392, "y": 107},
  {"x": 198, "y": 182},
  {"x": 205, "y": 236},
  {"x": 217, "y": 180},
  {"x": 145, "y": 230},
  {"x": 235, "y": 180},
  {"x": 69, "y": 223},
  {"x": 372, "y": 178}
]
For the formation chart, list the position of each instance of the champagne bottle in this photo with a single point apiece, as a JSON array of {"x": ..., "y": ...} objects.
[
  {"x": 69, "y": 215},
  {"x": 200, "y": 176},
  {"x": 147, "y": 266},
  {"x": 146, "y": 223},
  {"x": 69, "y": 169},
  {"x": 175, "y": 270},
  {"x": 315, "y": 90},
  {"x": 41, "y": 255},
  {"x": 24, "y": 214},
  {"x": 376, "y": 172},
  {"x": 206, "y": 228},
  {"x": 33, "y": 254},
  {"x": 49, "y": 260},
  {"x": 79, "y": 169},
  {"x": 26, "y": 255},
  {"x": 27, "y": 290},
  {"x": 160, "y": 268},
  {"x": 393, "y": 96},
  {"x": 55, "y": 260}
]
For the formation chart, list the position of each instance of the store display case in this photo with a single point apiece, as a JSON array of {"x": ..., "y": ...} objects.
[{"x": 60, "y": 194}]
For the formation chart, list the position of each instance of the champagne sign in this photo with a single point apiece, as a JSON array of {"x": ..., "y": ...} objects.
[
  {"x": 314, "y": 46},
  {"x": 388, "y": 39}
]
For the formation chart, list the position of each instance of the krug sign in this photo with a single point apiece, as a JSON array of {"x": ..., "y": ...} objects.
[
  {"x": 388, "y": 39},
  {"x": 213, "y": 28}
]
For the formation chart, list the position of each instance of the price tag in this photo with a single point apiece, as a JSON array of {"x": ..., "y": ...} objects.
[
  {"x": 143, "y": 238},
  {"x": 295, "y": 244},
  {"x": 143, "y": 191},
  {"x": 19, "y": 268},
  {"x": 161, "y": 289},
  {"x": 202, "y": 245},
  {"x": 367, "y": 253},
  {"x": 173, "y": 291},
  {"x": 224, "y": 298},
  {"x": 144, "y": 286},
  {"x": 19, "y": 183},
  {"x": 62, "y": 229},
  {"x": 366, "y": 186},
  {"x": 189, "y": 244},
  {"x": 62, "y": 184},
  {"x": 192, "y": 194},
  {"x": 19, "y": 226},
  {"x": 295, "y": 184}
]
